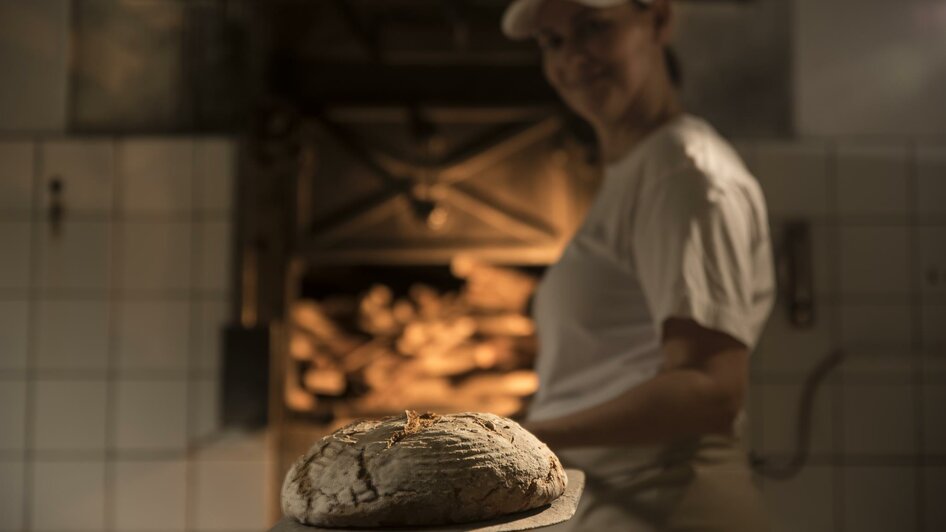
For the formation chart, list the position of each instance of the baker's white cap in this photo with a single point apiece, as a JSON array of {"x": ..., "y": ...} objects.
[{"x": 519, "y": 19}]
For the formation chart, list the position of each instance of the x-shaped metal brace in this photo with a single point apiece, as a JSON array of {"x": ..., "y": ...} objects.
[{"x": 401, "y": 178}]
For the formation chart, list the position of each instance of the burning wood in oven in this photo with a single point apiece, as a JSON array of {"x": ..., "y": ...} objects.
[{"x": 379, "y": 353}]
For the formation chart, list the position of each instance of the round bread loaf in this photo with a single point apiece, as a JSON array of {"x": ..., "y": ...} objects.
[{"x": 422, "y": 470}]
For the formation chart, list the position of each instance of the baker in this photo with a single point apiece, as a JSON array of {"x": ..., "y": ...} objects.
[{"x": 647, "y": 321}]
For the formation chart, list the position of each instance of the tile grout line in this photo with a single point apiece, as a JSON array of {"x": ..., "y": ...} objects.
[
  {"x": 95, "y": 295},
  {"x": 139, "y": 374},
  {"x": 71, "y": 95},
  {"x": 836, "y": 333},
  {"x": 28, "y": 479},
  {"x": 190, "y": 467},
  {"x": 114, "y": 297},
  {"x": 157, "y": 217},
  {"x": 916, "y": 344}
]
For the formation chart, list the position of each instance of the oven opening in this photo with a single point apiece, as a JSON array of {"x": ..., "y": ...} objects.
[{"x": 371, "y": 341}]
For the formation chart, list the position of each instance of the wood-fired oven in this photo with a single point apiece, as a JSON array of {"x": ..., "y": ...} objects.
[{"x": 395, "y": 143}]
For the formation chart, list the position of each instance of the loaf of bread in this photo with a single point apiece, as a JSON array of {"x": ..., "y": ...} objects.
[{"x": 422, "y": 469}]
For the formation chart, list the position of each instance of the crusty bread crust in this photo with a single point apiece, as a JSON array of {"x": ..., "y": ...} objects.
[{"x": 422, "y": 470}]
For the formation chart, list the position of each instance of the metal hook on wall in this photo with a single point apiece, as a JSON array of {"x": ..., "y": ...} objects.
[
  {"x": 797, "y": 269},
  {"x": 56, "y": 212}
]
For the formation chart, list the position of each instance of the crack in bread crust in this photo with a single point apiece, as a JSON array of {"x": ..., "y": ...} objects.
[
  {"x": 414, "y": 424},
  {"x": 365, "y": 476}
]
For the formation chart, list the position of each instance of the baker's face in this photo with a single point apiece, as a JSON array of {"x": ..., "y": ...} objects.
[{"x": 598, "y": 59}]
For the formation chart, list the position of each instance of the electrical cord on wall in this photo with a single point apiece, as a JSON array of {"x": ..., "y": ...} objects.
[{"x": 803, "y": 427}]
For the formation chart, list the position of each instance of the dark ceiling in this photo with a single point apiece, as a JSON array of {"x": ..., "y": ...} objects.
[
  {"x": 203, "y": 65},
  {"x": 399, "y": 51},
  {"x": 736, "y": 57}
]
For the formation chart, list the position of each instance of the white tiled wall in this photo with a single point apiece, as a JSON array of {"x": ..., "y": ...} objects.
[
  {"x": 152, "y": 415},
  {"x": 932, "y": 331},
  {"x": 15, "y": 268},
  {"x": 149, "y": 495},
  {"x": 11, "y": 494},
  {"x": 872, "y": 180},
  {"x": 77, "y": 259},
  {"x": 793, "y": 177},
  {"x": 69, "y": 415},
  {"x": 75, "y": 334},
  {"x": 209, "y": 315},
  {"x": 152, "y": 186},
  {"x": 878, "y": 226},
  {"x": 154, "y": 334},
  {"x": 110, "y": 349},
  {"x": 14, "y": 318},
  {"x": 934, "y": 482},
  {"x": 779, "y": 409},
  {"x": 157, "y": 256},
  {"x": 868, "y": 68},
  {"x": 932, "y": 262},
  {"x": 16, "y": 187},
  {"x": 880, "y": 498},
  {"x": 86, "y": 169},
  {"x": 109, "y": 340},
  {"x": 75, "y": 490},
  {"x": 890, "y": 429},
  {"x": 221, "y": 508},
  {"x": 931, "y": 180},
  {"x": 874, "y": 259},
  {"x": 805, "y": 502},
  {"x": 13, "y": 415}
]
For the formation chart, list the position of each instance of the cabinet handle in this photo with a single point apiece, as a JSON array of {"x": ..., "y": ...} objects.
[
  {"x": 57, "y": 208},
  {"x": 800, "y": 277}
]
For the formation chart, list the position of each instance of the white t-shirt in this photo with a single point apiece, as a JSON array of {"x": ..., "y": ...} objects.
[{"x": 678, "y": 229}]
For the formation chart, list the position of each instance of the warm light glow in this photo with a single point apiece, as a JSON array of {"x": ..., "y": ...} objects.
[
  {"x": 429, "y": 350},
  {"x": 325, "y": 382},
  {"x": 438, "y": 218},
  {"x": 300, "y": 348},
  {"x": 485, "y": 356}
]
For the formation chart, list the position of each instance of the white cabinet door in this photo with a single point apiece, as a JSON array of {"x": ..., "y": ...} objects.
[
  {"x": 16, "y": 178},
  {"x": 86, "y": 170},
  {"x": 74, "y": 247},
  {"x": 155, "y": 175},
  {"x": 76, "y": 259},
  {"x": 15, "y": 263}
]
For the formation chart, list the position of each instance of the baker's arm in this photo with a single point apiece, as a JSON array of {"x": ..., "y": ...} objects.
[{"x": 699, "y": 390}]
